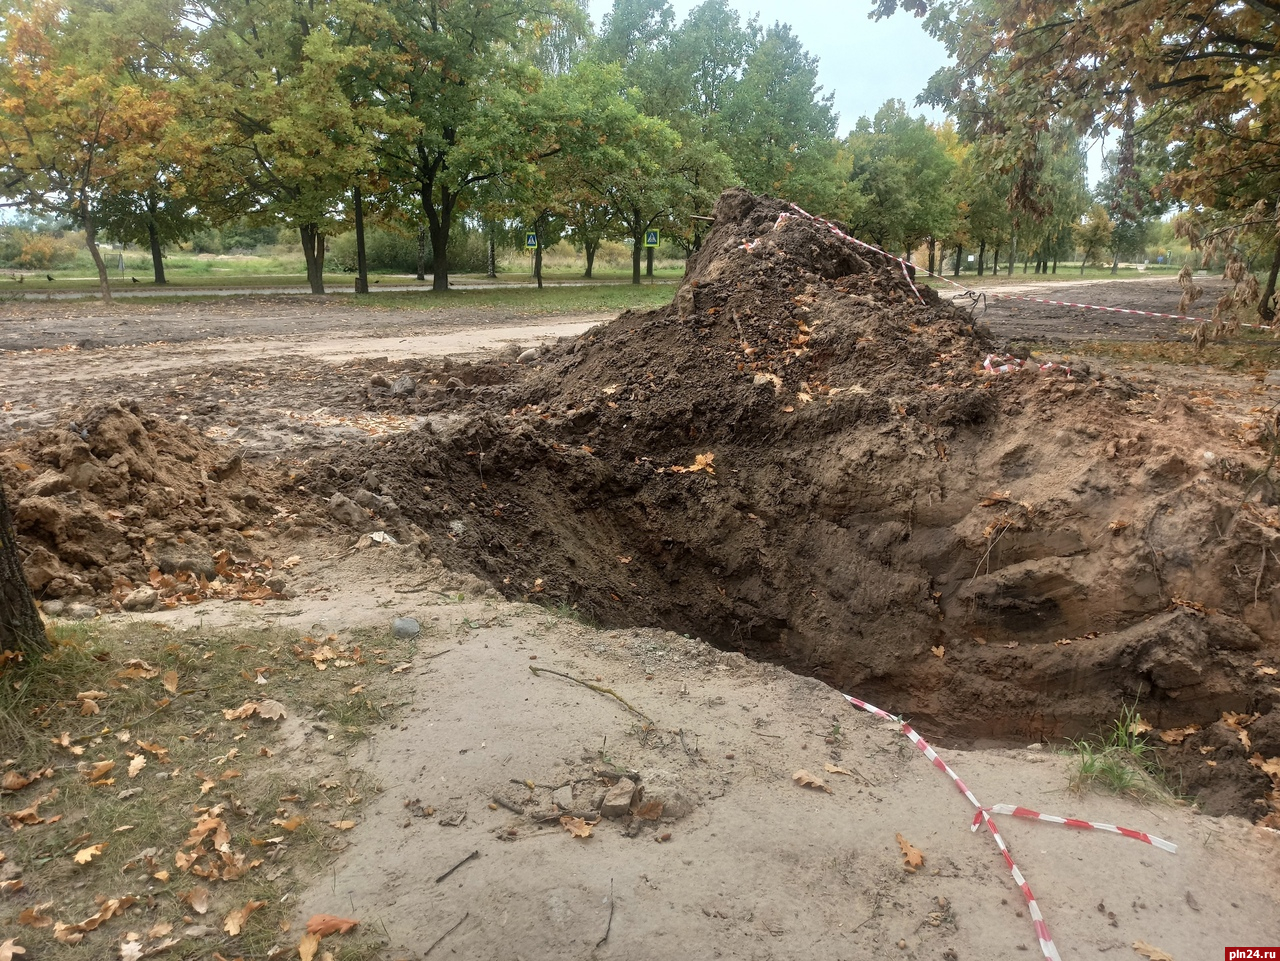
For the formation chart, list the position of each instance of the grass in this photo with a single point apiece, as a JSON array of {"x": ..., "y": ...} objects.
[
  {"x": 118, "y": 751},
  {"x": 1119, "y": 760}
]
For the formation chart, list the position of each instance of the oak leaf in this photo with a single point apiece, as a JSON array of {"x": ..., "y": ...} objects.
[
  {"x": 234, "y": 922},
  {"x": 36, "y": 917},
  {"x": 327, "y": 924},
  {"x": 197, "y": 897},
  {"x": 805, "y": 779},
  {"x": 170, "y": 681},
  {"x": 938, "y": 651},
  {"x": 1177, "y": 735},
  {"x": 308, "y": 946},
  {"x": 1270, "y": 767},
  {"x": 85, "y": 855},
  {"x": 912, "y": 857},
  {"x": 342, "y": 825},
  {"x": 136, "y": 765},
  {"x": 578, "y": 827},
  {"x": 832, "y": 769},
  {"x": 1154, "y": 953},
  {"x": 10, "y": 949}
]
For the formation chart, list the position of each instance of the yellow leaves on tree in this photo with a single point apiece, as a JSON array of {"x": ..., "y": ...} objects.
[{"x": 912, "y": 857}]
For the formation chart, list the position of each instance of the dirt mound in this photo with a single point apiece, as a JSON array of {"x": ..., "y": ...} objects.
[{"x": 104, "y": 501}]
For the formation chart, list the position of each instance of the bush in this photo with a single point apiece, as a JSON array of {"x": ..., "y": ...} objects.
[
  {"x": 37, "y": 251},
  {"x": 395, "y": 252}
]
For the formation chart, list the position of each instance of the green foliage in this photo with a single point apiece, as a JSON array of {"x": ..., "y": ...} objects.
[
  {"x": 1119, "y": 760},
  {"x": 30, "y": 250},
  {"x": 394, "y": 252}
]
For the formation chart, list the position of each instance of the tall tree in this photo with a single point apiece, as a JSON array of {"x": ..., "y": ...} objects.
[{"x": 74, "y": 126}]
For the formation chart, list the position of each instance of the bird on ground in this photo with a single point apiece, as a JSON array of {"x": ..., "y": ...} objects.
[
  {"x": 49, "y": 277},
  {"x": 134, "y": 279}
]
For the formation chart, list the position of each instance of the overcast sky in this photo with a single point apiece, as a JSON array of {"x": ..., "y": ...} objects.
[{"x": 865, "y": 62}]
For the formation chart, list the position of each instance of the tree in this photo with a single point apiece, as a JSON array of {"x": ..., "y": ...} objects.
[
  {"x": 20, "y": 626},
  {"x": 74, "y": 127},
  {"x": 1094, "y": 233},
  {"x": 287, "y": 141},
  {"x": 1202, "y": 74}
]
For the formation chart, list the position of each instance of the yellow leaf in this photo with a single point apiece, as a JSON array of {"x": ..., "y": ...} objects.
[
  {"x": 938, "y": 651},
  {"x": 292, "y": 824},
  {"x": 805, "y": 779},
  {"x": 912, "y": 857},
  {"x": 235, "y": 920},
  {"x": 832, "y": 769},
  {"x": 1154, "y": 953},
  {"x": 342, "y": 825},
  {"x": 170, "y": 681},
  {"x": 85, "y": 855},
  {"x": 327, "y": 924},
  {"x": 36, "y": 917},
  {"x": 308, "y": 946},
  {"x": 136, "y": 765},
  {"x": 578, "y": 827},
  {"x": 1139, "y": 726},
  {"x": 10, "y": 949},
  {"x": 1269, "y": 767},
  {"x": 97, "y": 770},
  {"x": 1178, "y": 734}
]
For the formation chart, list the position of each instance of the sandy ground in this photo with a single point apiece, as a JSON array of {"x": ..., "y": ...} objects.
[{"x": 760, "y": 867}]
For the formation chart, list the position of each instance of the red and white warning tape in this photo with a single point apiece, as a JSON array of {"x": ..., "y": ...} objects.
[
  {"x": 1047, "y": 947},
  {"x": 1021, "y": 812}
]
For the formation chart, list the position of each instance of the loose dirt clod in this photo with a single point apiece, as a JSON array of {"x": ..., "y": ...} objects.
[{"x": 802, "y": 458}]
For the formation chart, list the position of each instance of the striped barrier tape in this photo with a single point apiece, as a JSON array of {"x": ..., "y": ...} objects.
[
  {"x": 1021, "y": 812},
  {"x": 983, "y": 816}
]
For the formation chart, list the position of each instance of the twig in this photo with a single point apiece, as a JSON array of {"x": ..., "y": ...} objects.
[
  {"x": 438, "y": 653},
  {"x": 469, "y": 857},
  {"x": 446, "y": 934},
  {"x": 1262, "y": 566},
  {"x": 510, "y": 806},
  {"x": 609, "y": 926},
  {"x": 762, "y": 734},
  {"x": 594, "y": 687}
]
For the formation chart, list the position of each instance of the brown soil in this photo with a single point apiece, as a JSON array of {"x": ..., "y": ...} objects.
[{"x": 1012, "y": 556}]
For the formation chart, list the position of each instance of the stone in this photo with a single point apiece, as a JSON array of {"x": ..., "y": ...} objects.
[
  {"x": 279, "y": 584},
  {"x": 617, "y": 800},
  {"x": 676, "y": 799},
  {"x": 529, "y": 356},
  {"x": 380, "y": 380},
  {"x": 142, "y": 599},
  {"x": 563, "y": 798},
  {"x": 405, "y": 627},
  {"x": 344, "y": 510},
  {"x": 404, "y": 386},
  {"x": 80, "y": 612}
]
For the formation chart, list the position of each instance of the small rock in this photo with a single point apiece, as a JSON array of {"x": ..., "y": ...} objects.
[
  {"x": 405, "y": 627},
  {"x": 529, "y": 356},
  {"x": 563, "y": 798},
  {"x": 404, "y": 386},
  {"x": 380, "y": 380},
  {"x": 346, "y": 511},
  {"x": 617, "y": 800},
  {"x": 278, "y": 583},
  {"x": 53, "y": 608},
  {"x": 664, "y": 787},
  {"x": 80, "y": 612},
  {"x": 142, "y": 599},
  {"x": 367, "y": 498}
]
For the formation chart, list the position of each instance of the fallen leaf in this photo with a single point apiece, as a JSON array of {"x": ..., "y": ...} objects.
[
  {"x": 938, "y": 651},
  {"x": 197, "y": 897},
  {"x": 12, "y": 886},
  {"x": 805, "y": 779},
  {"x": 1139, "y": 726},
  {"x": 97, "y": 770},
  {"x": 234, "y": 921},
  {"x": 650, "y": 810},
  {"x": 342, "y": 825},
  {"x": 35, "y": 917},
  {"x": 327, "y": 924},
  {"x": 292, "y": 824},
  {"x": 832, "y": 769},
  {"x": 912, "y": 858},
  {"x": 170, "y": 681},
  {"x": 308, "y": 946},
  {"x": 1270, "y": 766},
  {"x": 271, "y": 710},
  {"x": 1268, "y": 671},
  {"x": 578, "y": 827},
  {"x": 85, "y": 855},
  {"x": 1154, "y": 953},
  {"x": 136, "y": 765},
  {"x": 1178, "y": 734},
  {"x": 10, "y": 949}
]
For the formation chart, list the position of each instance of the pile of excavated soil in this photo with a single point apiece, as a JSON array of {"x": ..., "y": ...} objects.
[
  {"x": 122, "y": 501},
  {"x": 802, "y": 458}
]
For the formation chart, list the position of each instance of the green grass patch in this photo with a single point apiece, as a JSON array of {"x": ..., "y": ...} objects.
[
  {"x": 1120, "y": 760},
  {"x": 147, "y": 772}
]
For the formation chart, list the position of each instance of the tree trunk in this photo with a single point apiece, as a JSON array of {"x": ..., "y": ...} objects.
[
  {"x": 20, "y": 626},
  {"x": 422, "y": 251},
  {"x": 313, "y": 254},
  {"x": 933, "y": 246},
  {"x": 157, "y": 254},
  {"x": 492, "y": 265},
  {"x": 982, "y": 256},
  {"x": 637, "y": 244},
  {"x": 959, "y": 254},
  {"x": 439, "y": 221},
  {"x": 537, "y": 261},
  {"x": 362, "y": 263},
  {"x": 1265, "y": 308},
  {"x": 91, "y": 241},
  {"x": 1115, "y": 264},
  {"x": 1084, "y": 259},
  {"x": 1055, "y": 263},
  {"x": 995, "y": 263},
  {"x": 1013, "y": 255},
  {"x": 590, "y": 250}
]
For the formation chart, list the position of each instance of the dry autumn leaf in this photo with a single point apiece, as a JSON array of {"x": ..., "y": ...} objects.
[
  {"x": 85, "y": 855},
  {"x": 327, "y": 924},
  {"x": 1270, "y": 766},
  {"x": 805, "y": 779},
  {"x": 832, "y": 769},
  {"x": 234, "y": 922},
  {"x": 938, "y": 651},
  {"x": 1177, "y": 735},
  {"x": 291, "y": 824},
  {"x": 912, "y": 857},
  {"x": 136, "y": 765},
  {"x": 578, "y": 827},
  {"x": 197, "y": 898},
  {"x": 36, "y": 917},
  {"x": 1139, "y": 726},
  {"x": 97, "y": 770},
  {"x": 342, "y": 825},
  {"x": 170, "y": 681},
  {"x": 308, "y": 946},
  {"x": 10, "y": 949},
  {"x": 1154, "y": 953}
]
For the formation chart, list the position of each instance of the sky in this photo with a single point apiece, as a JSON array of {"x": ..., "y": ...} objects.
[{"x": 864, "y": 62}]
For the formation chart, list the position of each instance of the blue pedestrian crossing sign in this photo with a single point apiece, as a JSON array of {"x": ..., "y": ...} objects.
[
  {"x": 531, "y": 240},
  {"x": 651, "y": 238}
]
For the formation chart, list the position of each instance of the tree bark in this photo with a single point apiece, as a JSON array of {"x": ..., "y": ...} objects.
[
  {"x": 491, "y": 270},
  {"x": 91, "y": 241},
  {"x": 590, "y": 250},
  {"x": 1265, "y": 308},
  {"x": 422, "y": 252},
  {"x": 982, "y": 256},
  {"x": 157, "y": 253},
  {"x": 537, "y": 261},
  {"x": 648, "y": 254},
  {"x": 959, "y": 254},
  {"x": 637, "y": 244},
  {"x": 362, "y": 263},
  {"x": 933, "y": 247},
  {"x": 20, "y": 626},
  {"x": 313, "y": 254}
]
